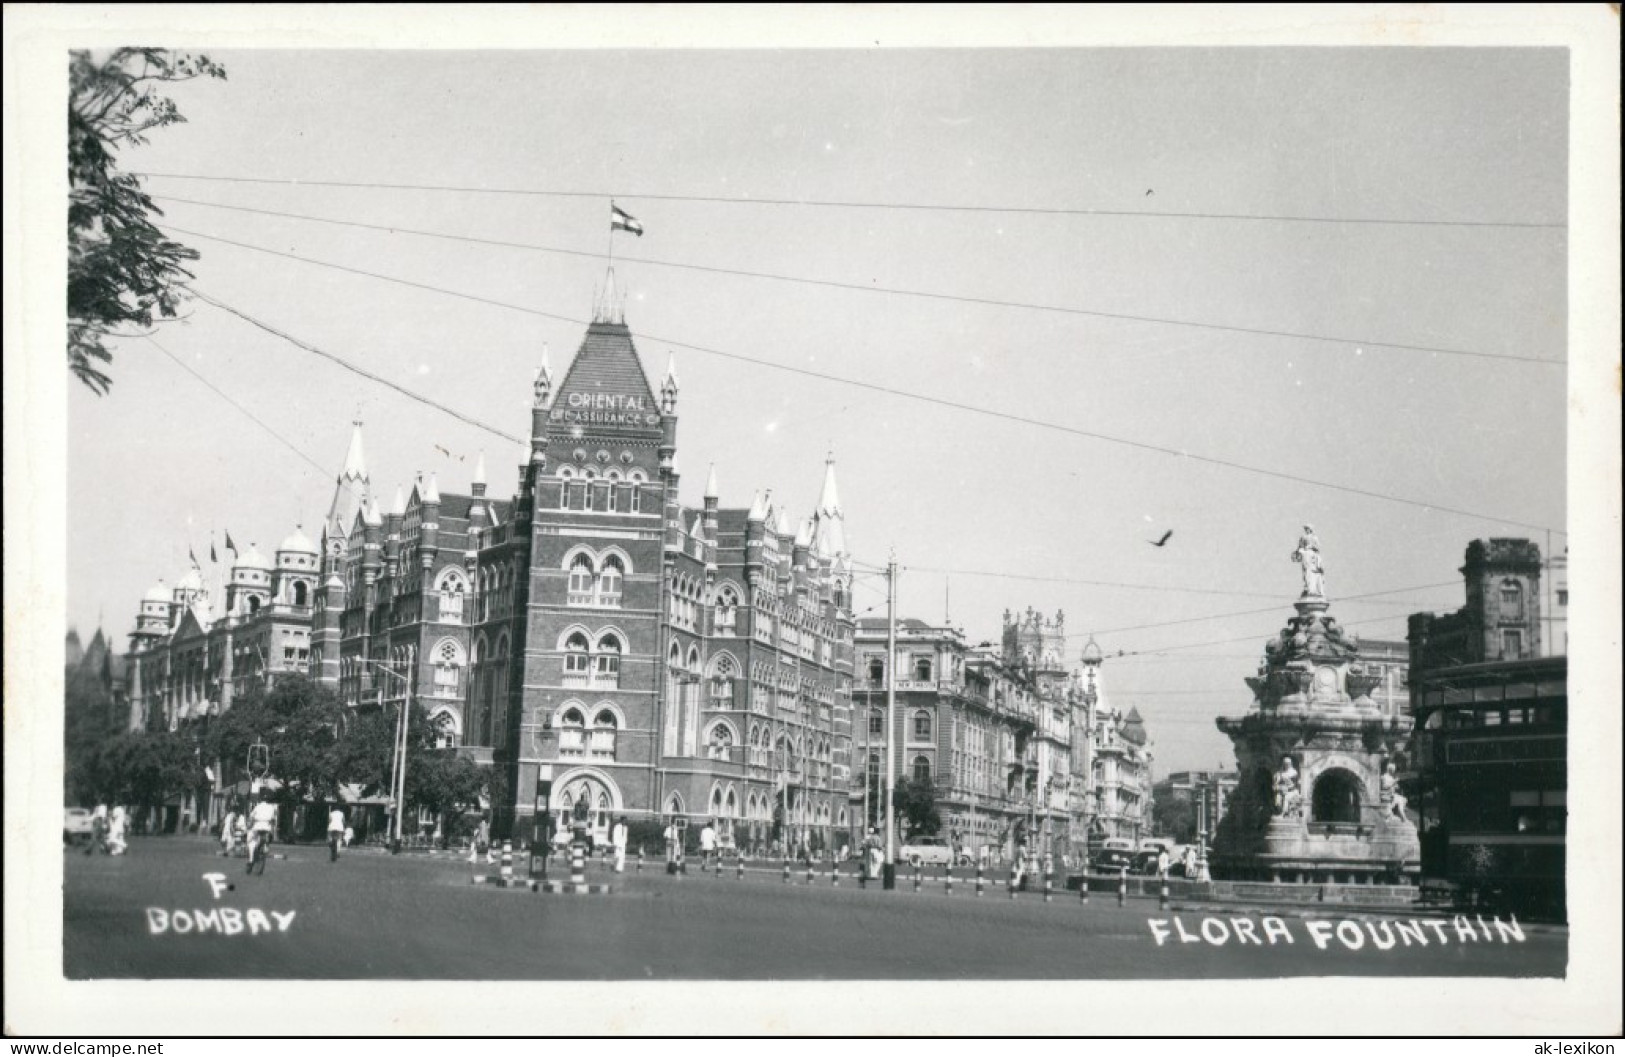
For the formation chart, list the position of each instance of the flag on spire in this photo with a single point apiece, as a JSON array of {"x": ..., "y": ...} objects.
[
  {"x": 230, "y": 546},
  {"x": 621, "y": 220},
  {"x": 213, "y": 556},
  {"x": 192, "y": 554}
]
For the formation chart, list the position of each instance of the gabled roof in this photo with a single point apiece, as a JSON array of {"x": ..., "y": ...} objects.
[{"x": 607, "y": 363}]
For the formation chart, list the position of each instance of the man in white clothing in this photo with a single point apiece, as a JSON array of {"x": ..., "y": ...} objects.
[
  {"x": 335, "y": 833},
  {"x": 617, "y": 837}
]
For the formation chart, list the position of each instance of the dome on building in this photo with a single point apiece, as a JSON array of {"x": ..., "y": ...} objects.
[
  {"x": 156, "y": 593},
  {"x": 1091, "y": 652},
  {"x": 192, "y": 581},
  {"x": 298, "y": 541},
  {"x": 251, "y": 558}
]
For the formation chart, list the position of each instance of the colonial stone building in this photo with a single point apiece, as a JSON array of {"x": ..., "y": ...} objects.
[
  {"x": 993, "y": 731},
  {"x": 1491, "y": 709},
  {"x": 1120, "y": 775}
]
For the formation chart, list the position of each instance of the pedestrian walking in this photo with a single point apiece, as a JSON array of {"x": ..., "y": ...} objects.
[
  {"x": 98, "y": 830},
  {"x": 708, "y": 846},
  {"x": 335, "y": 833},
  {"x": 118, "y": 832},
  {"x": 617, "y": 837},
  {"x": 481, "y": 841},
  {"x": 349, "y": 836},
  {"x": 674, "y": 848},
  {"x": 228, "y": 832},
  {"x": 1162, "y": 864}
]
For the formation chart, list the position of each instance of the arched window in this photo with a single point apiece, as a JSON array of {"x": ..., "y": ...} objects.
[
  {"x": 603, "y": 734},
  {"x": 720, "y": 742},
  {"x": 452, "y": 588},
  {"x": 877, "y": 722},
  {"x": 727, "y": 610},
  {"x": 877, "y": 671},
  {"x": 448, "y": 661},
  {"x": 575, "y": 660},
  {"x": 572, "y": 733},
  {"x": 253, "y": 603},
  {"x": 301, "y": 596},
  {"x": 922, "y": 769},
  {"x": 922, "y": 669},
  {"x": 445, "y": 731},
  {"x": 922, "y": 725},
  {"x": 607, "y": 662},
  {"x": 609, "y": 581},
  {"x": 581, "y": 581}
]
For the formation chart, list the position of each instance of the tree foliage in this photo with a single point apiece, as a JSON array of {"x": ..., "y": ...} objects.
[
  {"x": 299, "y": 721},
  {"x": 1176, "y": 818},
  {"x": 916, "y": 802},
  {"x": 122, "y": 270}
]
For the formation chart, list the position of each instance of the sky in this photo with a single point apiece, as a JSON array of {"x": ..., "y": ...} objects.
[{"x": 1426, "y": 190}]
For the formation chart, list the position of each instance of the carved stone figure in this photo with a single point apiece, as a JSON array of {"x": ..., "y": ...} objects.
[
  {"x": 1393, "y": 800},
  {"x": 1288, "y": 798},
  {"x": 1307, "y": 554}
]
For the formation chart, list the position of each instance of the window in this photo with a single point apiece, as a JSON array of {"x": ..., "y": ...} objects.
[
  {"x": 727, "y": 610},
  {"x": 607, "y": 662},
  {"x": 922, "y": 769},
  {"x": 609, "y": 582},
  {"x": 451, "y": 598},
  {"x": 719, "y": 745},
  {"x": 445, "y": 731},
  {"x": 1562, "y": 596},
  {"x": 922, "y": 725},
  {"x": 877, "y": 722},
  {"x": 575, "y": 660},
  {"x": 301, "y": 596},
  {"x": 603, "y": 734},
  {"x": 877, "y": 671},
  {"x": 581, "y": 581},
  {"x": 572, "y": 736},
  {"x": 1511, "y": 644},
  {"x": 1511, "y": 599},
  {"x": 922, "y": 669},
  {"x": 448, "y": 659}
]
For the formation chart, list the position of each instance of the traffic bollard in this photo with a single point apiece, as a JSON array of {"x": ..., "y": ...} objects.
[
  {"x": 979, "y": 880},
  {"x": 916, "y": 877},
  {"x": 1049, "y": 887},
  {"x": 1012, "y": 882},
  {"x": 948, "y": 881},
  {"x": 640, "y": 860},
  {"x": 1083, "y": 891},
  {"x": 739, "y": 874},
  {"x": 1162, "y": 902},
  {"x": 578, "y": 865},
  {"x": 787, "y": 871},
  {"x": 1122, "y": 888},
  {"x": 834, "y": 874},
  {"x": 507, "y": 862},
  {"x": 809, "y": 871}
]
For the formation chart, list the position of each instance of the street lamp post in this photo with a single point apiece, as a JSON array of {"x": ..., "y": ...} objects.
[{"x": 889, "y": 870}]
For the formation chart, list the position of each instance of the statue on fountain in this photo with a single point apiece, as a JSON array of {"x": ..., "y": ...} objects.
[{"x": 1307, "y": 555}]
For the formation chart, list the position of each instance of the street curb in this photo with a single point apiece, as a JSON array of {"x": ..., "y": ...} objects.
[
  {"x": 571, "y": 888},
  {"x": 494, "y": 881}
]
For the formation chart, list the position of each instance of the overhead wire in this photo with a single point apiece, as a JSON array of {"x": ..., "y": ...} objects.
[
  {"x": 857, "y": 383},
  {"x": 893, "y": 291},
  {"x": 1046, "y": 211}
]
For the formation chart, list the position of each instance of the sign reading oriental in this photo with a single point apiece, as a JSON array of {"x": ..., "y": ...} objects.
[{"x": 604, "y": 409}]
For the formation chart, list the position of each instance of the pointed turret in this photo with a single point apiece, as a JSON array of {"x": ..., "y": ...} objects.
[
  {"x": 758, "y": 507},
  {"x": 831, "y": 522},
  {"x": 711, "y": 486},
  {"x": 433, "y": 494},
  {"x": 611, "y": 304},
  {"x": 351, "y": 489},
  {"x": 669, "y": 387},
  {"x": 479, "y": 474}
]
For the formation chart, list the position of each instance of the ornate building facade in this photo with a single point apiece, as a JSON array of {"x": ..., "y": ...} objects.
[{"x": 1120, "y": 774}]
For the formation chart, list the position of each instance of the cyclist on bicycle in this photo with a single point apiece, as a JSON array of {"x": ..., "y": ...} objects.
[{"x": 261, "y": 824}]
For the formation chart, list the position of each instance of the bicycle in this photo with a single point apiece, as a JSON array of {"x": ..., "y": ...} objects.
[{"x": 257, "y": 842}]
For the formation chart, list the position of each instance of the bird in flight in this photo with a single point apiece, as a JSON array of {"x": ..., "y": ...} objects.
[{"x": 1164, "y": 540}]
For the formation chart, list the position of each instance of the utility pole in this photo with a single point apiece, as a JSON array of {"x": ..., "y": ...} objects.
[
  {"x": 406, "y": 709},
  {"x": 890, "y": 870}
]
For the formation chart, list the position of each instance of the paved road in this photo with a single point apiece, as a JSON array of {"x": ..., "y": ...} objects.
[{"x": 372, "y": 915}]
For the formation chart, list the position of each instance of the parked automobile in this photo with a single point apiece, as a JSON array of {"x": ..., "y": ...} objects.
[
  {"x": 76, "y": 825},
  {"x": 1113, "y": 854},
  {"x": 926, "y": 851}
]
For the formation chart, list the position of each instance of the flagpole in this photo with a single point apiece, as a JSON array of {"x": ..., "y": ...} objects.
[{"x": 611, "y": 252}]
